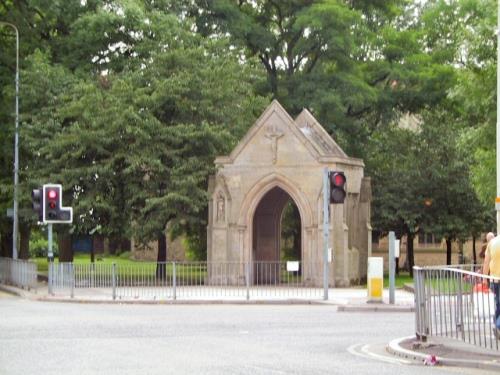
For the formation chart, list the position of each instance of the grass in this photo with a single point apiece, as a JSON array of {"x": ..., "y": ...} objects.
[
  {"x": 80, "y": 258},
  {"x": 184, "y": 273},
  {"x": 127, "y": 269},
  {"x": 449, "y": 286},
  {"x": 400, "y": 280}
]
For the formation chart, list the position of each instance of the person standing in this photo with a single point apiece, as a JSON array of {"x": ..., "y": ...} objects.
[
  {"x": 489, "y": 237},
  {"x": 491, "y": 265}
]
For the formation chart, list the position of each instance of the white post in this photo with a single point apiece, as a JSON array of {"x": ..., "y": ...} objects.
[{"x": 392, "y": 266}]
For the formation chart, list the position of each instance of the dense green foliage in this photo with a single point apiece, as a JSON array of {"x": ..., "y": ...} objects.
[
  {"x": 130, "y": 124},
  {"x": 127, "y": 103}
]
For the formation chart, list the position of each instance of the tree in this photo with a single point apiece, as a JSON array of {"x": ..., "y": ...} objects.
[
  {"x": 461, "y": 30},
  {"x": 397, "y": 195},
  {"x": 135, "y": 147},
  {"x": 454, "y": 205},
  {"x": 357, "y": 65}
]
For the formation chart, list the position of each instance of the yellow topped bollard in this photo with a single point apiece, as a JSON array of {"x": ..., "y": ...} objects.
[{"x": 375, "y": 279}]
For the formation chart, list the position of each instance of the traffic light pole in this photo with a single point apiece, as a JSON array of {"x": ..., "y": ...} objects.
[
  {"x": 50, "y": 255},
  {"x": 50, "y": 252},
  {"x": 326, "y": 230}
]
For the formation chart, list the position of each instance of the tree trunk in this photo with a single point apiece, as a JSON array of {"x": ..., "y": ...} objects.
[
  {"x": 161, "y": 267},
  {"x": 474, "y": 256},
  {"x": 65, "y": 250},
  {"x": 118, "y": 245},
  {"x": 125, "y": 245},
  {"x": 114, "y": 243},
  {"x": 98, "y": 243},
  {"x": 6, "y": 245},
  {"x": 24, "y": 246},
  {"x": 409, "y": 251},
  {"x": 448, "y": 251},
  {"x": 92, "y": 255}
]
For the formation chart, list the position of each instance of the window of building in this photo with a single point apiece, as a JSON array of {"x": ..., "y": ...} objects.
[{"x": 427, "y": 239}]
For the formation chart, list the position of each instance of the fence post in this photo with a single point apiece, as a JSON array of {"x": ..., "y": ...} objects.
[
  {"x": 247, "y": 279},
  {"x": 416, "y": 283},
  {"x": 174, "y": 281},
  {"x": 420, "y": 313},
  {"x": 72, "y": 279},
  {"x": 113, "y": 279},
  {"x": 460, "y": 313}
]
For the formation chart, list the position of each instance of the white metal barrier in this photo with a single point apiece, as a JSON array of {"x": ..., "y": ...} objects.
[
  {"x": 21, "y": 273},
  {"x": 456, "y": 302},
  {"x": 188, "y": 280}
]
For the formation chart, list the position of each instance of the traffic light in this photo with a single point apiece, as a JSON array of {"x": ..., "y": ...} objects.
[
  {"x": 337, "y": 187},
  {"x": 53, "y": 211},
  {"x": 37, "y": 202}
]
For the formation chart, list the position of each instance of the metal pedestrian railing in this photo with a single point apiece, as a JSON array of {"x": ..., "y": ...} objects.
[
  {"x": 21, "y": 273},
  {"x": 455, "y": 302},
  {"x": 188, "y": 280}
]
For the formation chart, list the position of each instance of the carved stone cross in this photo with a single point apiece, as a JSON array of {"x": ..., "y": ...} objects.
[{"x": 274, "y": 133}]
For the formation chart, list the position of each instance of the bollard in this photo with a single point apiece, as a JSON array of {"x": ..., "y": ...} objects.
[{"x": 375, "y": 279}]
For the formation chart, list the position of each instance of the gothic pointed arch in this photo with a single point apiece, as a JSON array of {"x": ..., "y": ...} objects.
[{"x": 264, "y": 185}]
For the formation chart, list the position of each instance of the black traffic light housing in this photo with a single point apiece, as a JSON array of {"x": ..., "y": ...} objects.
[
  {"x": 337, "y": 187},
  {"x": 37, "y": 202},
  {"x": 53, "y": 211}
]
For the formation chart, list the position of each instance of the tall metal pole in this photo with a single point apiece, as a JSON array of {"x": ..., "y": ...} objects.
[
  {"x": 326, "y": 230},
  {"x": 392, "y": 267},
  {"x": 50, "y": 255},
  {"x": 497, "y": 200},
  {"x": 15, "y": 225}
]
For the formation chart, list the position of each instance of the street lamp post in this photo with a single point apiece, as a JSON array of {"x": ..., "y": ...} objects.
[{"x": 15, "y": 228}]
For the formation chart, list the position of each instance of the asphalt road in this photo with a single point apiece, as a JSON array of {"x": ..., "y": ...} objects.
[{"x": 66, "y": 338}]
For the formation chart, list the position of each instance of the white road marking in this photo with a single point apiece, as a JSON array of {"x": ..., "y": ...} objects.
[
  {"x": 266, "y": 370},
  {"x": 361, "y": 350}
]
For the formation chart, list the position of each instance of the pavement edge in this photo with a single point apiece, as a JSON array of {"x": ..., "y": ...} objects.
[{"x": 396, "y": 349}]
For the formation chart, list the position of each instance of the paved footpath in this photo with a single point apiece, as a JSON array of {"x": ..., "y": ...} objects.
[{"x": 447, "y": 352}]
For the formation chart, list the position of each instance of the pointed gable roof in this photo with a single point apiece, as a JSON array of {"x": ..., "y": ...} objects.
[
  {"x": 317, "y": 135},
  {"x": 305, "y": 128}
]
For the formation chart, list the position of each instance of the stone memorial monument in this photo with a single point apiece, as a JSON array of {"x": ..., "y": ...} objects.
[{"x": 278, "y": 160}]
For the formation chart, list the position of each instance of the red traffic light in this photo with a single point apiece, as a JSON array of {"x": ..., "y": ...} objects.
[
  {"x": 338, "y": 179},
  {"x": 53, "y": 211},
  {"x": 337, "y": 187}
]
